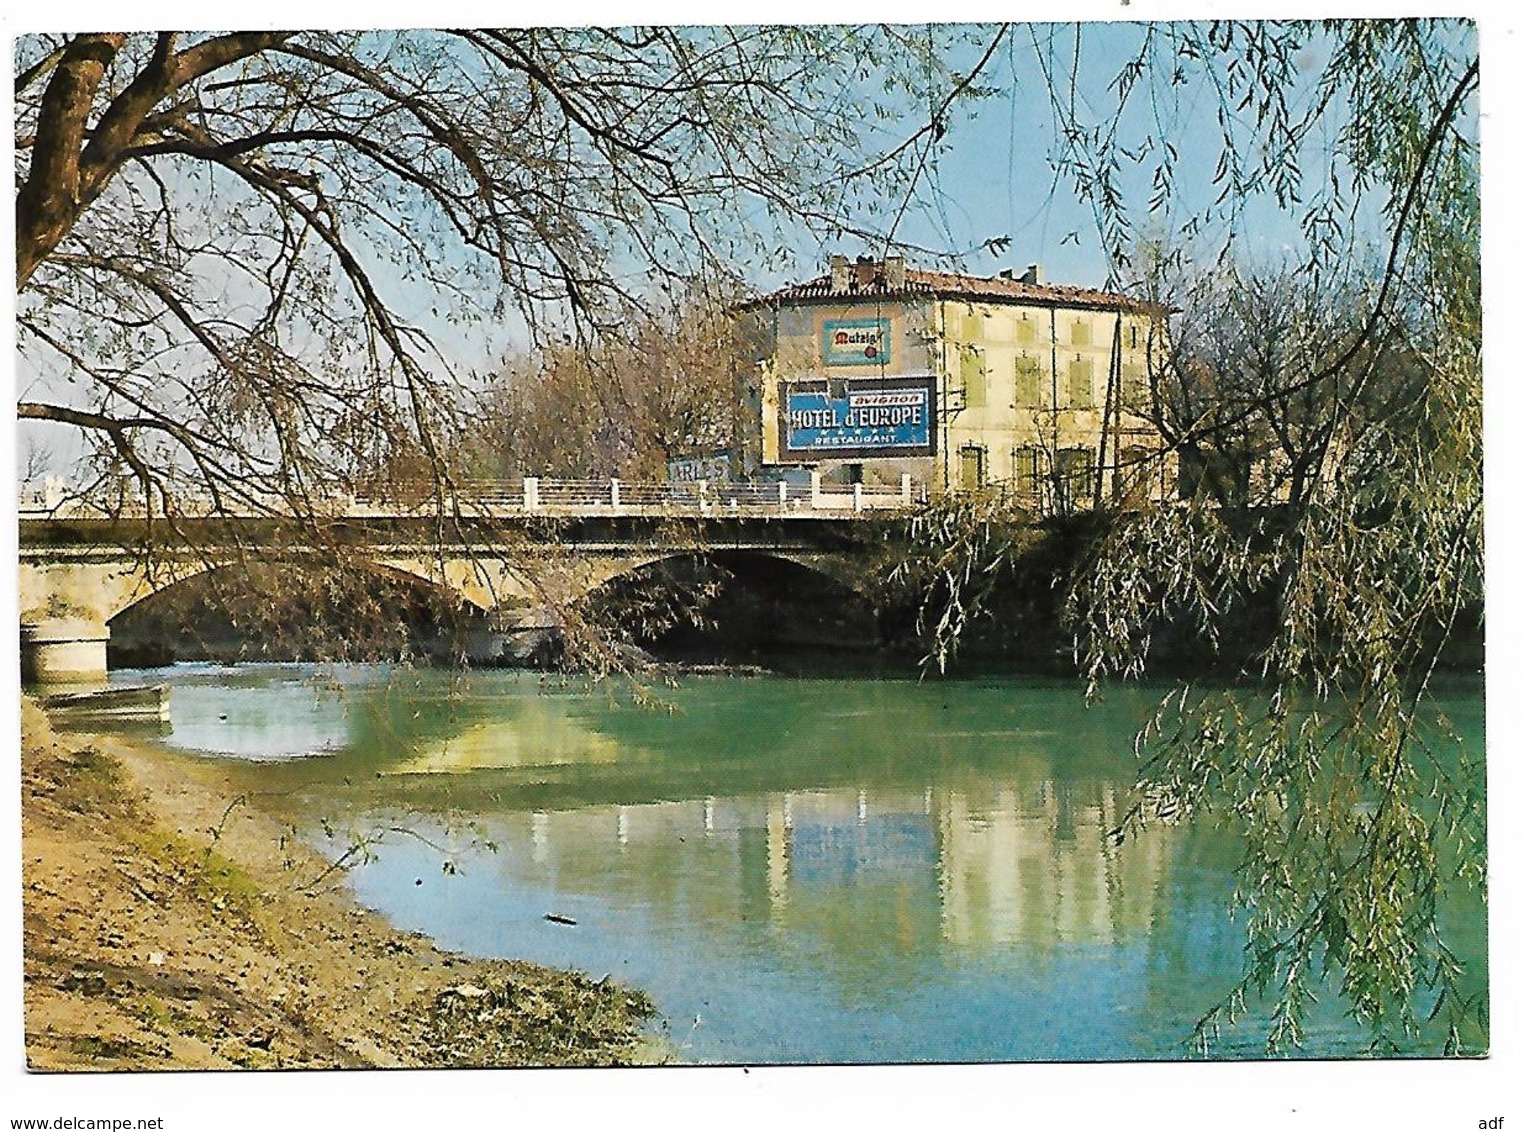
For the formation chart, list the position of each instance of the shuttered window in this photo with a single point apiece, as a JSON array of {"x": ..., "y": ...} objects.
[
  {"x": 1134, "y": 388},
  {"x": 1026, "y": 331},
  {"x": 1081, "y": 375},
  {"x": 1079, "y": 332},
  {"x": 971, "y": 467},
  {"x": 1076, "y": 467},
  {"x": 975, "y": 393},
  {"x": 1029, "y": 384},
  {"x": 1030, "y": 469}
]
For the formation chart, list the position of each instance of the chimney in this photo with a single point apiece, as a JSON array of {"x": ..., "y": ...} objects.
[
  {"x": 1033, "y": 274},
  {"x": 838, "y": 273},
  {"x": 864, "y": 271},
  {"x": 894, "y": 272}
]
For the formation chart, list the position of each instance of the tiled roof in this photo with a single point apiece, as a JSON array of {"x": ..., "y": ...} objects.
[{"x": 947, "y": 285}]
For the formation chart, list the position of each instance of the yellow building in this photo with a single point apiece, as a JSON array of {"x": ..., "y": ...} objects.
[{"x": 1005, "y": 384}]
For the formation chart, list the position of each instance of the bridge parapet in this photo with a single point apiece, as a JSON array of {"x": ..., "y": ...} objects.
[{"x": 543, "y": 496}]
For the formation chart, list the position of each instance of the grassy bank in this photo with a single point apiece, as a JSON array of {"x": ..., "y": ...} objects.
[{"x": 169, "y": 925}]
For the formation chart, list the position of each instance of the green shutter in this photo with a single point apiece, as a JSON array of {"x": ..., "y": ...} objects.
[
  {"x": 1029, "y": 469},
  {"x": 1079, "y": 332},
  {"x": 1081, "y": 384},
  {"x": 1134, "y": 388},
  {"x": 1029, "y": 391},
  {"x": 1077, "y": 465},
  {"x": 1026, "y": 331},
  {"x": 972, "y": 372},
  {"x": 971, "y": 467}
]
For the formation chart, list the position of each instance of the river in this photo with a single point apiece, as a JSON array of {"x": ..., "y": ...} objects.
[{"x": 797, "y": 870}]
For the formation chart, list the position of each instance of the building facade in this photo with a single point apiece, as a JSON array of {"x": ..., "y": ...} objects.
[{"x": 967, "y": 384}]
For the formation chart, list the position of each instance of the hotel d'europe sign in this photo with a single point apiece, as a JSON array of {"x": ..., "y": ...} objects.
[{"x": 856, "y": 419}]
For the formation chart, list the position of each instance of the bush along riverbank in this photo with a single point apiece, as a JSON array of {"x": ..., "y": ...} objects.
[{"x": 169, "y": 925}]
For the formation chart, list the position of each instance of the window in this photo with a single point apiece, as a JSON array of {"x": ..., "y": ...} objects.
[
  {"x": 1028, "y": 382},
  {"x": 1026, "y": 331},
  {"x": 853, "y": 473},
  {"x": 1076, "y": 469},
  {"x": 973, "y": 327},
  {"x": 971, "y": 467},
  {"x": 1081, "y": 390},
  {"x": 1137, "y": 466},
  {"x": 1030, "y": 469},
  {"x": 1135, "y": 395},
  {"x": 975, "y": 395},
  {"x": 1079, "y": 332}
]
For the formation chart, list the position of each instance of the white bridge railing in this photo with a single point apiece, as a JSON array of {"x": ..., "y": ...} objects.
[
  {"x": 536, "y": 495},
  {"x": 560, "y": 497}
]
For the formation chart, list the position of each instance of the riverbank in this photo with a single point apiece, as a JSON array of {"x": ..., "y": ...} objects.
[{"x": 170, "y": 925}]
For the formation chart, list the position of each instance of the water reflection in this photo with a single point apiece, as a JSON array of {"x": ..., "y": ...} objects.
[
  {"x": 814, "y": 870},
  {"x": 537, "y": 734},
  {"x": 1038, "y": 865},
  {"x": 1016, "y": 866},
  {"x": 263, "y": 713}
]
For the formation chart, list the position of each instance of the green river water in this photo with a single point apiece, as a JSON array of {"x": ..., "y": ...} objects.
[{"x": 797, "y": 870}]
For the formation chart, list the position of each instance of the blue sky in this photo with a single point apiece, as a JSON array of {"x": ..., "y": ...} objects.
[{"x": 996, "y": 177}]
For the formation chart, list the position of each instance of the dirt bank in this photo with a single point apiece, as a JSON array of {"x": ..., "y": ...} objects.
[{"x": 169, "y": 926}]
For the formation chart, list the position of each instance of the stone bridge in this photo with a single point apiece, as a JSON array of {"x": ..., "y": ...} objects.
[{"x": 511, "y": 559}]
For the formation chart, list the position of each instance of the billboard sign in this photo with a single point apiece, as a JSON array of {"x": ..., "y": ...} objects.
[
  {"x": 692, "y": 469},
  {"x": 855, "y": 342},
  {"x": 858, "y": 419}
]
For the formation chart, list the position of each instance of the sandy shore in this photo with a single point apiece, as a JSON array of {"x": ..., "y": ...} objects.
[{"x": 167, "y": 925}]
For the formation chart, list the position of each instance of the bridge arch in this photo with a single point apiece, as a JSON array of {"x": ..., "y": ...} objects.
[
  {"x": 737, "y": 604},
  {"x": 832, "y": 565},
  {"x": 101, "y": 585},
  {"x": 76, "y": 578},
  {"x": 363, "y": 610}
]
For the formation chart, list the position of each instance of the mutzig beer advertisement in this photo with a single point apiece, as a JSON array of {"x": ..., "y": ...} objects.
[
  {"x": 859, "y": 420},
  {"x": 855, "y": 342}
]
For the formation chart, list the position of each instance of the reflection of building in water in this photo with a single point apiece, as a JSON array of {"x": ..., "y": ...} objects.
[
  {"x": 536, "y": 732},
  {"x": 859, "y": 876},
  {"x": 1041, "y": 869},
  {"x": 1024, "y": 864},
  {"x": 688, "y": 858},
  {"x": 838, "y": 840}
]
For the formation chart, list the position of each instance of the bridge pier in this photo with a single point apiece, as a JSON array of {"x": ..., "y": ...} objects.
[
  {"x": 523, "y": 634},
  {"x": 60, "y": 649}
]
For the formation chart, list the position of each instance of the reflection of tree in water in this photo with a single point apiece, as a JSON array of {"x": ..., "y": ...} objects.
[{"x": 534, "y": 742}]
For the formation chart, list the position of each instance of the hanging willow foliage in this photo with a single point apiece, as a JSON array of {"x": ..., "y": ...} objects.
[{"x": 1330, "y": 603}]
